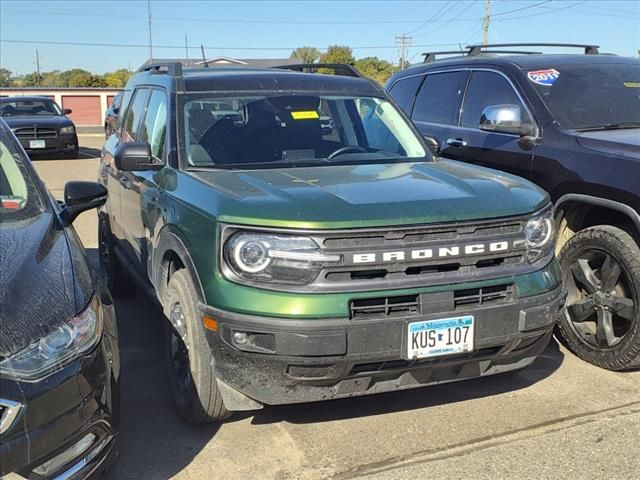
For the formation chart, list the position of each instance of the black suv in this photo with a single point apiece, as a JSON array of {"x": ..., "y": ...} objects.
[{"x": 570, "y": 123}]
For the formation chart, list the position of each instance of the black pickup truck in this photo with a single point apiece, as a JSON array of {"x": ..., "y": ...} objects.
[{"x": 570, "y": 123}]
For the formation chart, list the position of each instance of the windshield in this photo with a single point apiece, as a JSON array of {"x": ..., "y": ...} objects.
[
  {"x": 19, "y": 197},
  {"x": 16, "y": 108},
  {"x": 591, "y": 97},
  {"x": 286, "y": 130}
]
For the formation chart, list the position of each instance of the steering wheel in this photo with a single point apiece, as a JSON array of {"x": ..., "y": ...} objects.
[{"x": 347, "y": 149}]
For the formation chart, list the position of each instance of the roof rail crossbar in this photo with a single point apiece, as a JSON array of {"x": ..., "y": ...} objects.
[
  {"x": 431, "y": 56},
  {"x": 341, "y": 69},
  {"x": 173, "y": 69},
  {"x": 588, "y": 49}
]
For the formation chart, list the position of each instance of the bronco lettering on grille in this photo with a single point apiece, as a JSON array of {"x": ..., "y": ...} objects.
[{"x": 433, "y": 253}]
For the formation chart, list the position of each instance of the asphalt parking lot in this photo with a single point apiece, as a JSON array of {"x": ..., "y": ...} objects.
[{"x": 560, "y": 418}]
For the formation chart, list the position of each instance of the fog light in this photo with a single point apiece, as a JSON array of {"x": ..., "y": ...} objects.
[
  {"x": 67, "y": 456},
  {"x": 240, "y": 338}
]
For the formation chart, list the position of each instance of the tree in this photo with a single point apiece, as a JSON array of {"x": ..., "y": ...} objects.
[
  {"x": 373, "y": 67},
  {"x": 31, "y": 80},
  {"x": 338, "y": 54},
  {"x": 306, "y": 54},
  {"x": 5, "y": 78},
  {"x": 117, "y": 79}
]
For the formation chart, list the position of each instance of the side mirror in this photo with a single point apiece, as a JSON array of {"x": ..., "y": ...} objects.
[
  {"x": 504, "y": 119},
  {"x": 433, "y": 144},
  {"x": 135, "y": 156},
  {"x": 80, "y": 197},
  {"x": 66, "y": 111}
]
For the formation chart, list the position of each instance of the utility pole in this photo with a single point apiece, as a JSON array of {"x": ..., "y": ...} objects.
[
  {"x": 150, "y": 39},
  {"x": 404, "y": 42},
  {"x": 485, "y": 22},
  {"x": 186, "y": 47},
  {"x": 38, "y": 67}
]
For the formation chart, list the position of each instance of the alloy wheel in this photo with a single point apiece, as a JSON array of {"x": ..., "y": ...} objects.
[{"x": 600, "y": 304}]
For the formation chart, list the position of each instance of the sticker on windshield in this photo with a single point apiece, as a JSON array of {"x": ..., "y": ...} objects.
[
  {"x": 306, "y": 115},
  {"x": 544, "y": 77},
  {"x": 632, "y": 84}
]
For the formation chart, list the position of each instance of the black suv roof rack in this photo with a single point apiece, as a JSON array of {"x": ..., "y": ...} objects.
[
  {"x": 342, "y": 69},
  {"x": 174, "y": 69},
  {"x": 475, "y": 50}
]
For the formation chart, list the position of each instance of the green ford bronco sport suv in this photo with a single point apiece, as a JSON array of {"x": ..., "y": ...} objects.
[{"x": 305, "y": 245}]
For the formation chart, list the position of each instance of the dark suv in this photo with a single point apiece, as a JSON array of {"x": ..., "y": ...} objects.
[
  {"x": 305, "y": 245},
  {"x": 570, "y": 123}
]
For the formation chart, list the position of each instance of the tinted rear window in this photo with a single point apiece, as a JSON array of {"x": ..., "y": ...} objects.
[
  {"x": 404, "y": 92},
  {"x": 439, "y": 98}
]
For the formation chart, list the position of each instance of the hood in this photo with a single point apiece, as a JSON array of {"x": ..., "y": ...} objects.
[
  {"x": 36, "y": 281},
  {"x": 341, "y": 196},
  {"x": 622, "y": 142},
  {"x": 56, "y": 121}
]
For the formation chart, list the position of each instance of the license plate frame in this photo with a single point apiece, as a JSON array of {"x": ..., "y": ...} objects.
[
  {"x": 440, "y": 337},
  {"x": 37, "y": 144}
]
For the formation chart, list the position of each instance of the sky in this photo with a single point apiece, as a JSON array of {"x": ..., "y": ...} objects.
[{"x": 118, "y": 35}]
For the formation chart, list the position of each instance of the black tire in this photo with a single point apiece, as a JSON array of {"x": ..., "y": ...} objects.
[
  {"x": 117, "y": 280},
  {"x": 192, "y": 381},
  {"x": 601, "y": 268}
]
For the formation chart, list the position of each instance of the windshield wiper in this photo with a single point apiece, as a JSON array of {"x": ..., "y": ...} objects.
[{"x": 610, "y": 126}]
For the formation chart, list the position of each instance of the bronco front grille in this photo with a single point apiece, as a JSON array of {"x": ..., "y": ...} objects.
[{"x": 409, "y": 257}]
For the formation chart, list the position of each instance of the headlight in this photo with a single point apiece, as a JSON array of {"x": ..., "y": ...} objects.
[
  {"x": 540, "y": 235},
  {"x": 274, "y": 258},
  {"x": 67, "y": 129},
  {"x": 52, "y": 352}
]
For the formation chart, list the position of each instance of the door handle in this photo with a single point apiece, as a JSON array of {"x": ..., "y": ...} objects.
[{"x": 456, "y": 142}]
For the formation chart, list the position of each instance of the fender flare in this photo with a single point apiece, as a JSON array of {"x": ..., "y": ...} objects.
[
  {"x": 169, "y": 240},
  {"x": 600, "y": 202}
]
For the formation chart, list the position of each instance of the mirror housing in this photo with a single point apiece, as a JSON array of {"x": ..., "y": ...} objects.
[
  {"x": 80, "y": 197},
  {"x": 505, "y": 118},
  {"x": 135, "y": 156},
  {"x": 66, "y": 111},
  {"x": 433, "y": 144}
]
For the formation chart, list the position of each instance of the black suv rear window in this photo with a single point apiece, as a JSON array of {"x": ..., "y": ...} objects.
[{"x": 439, "y": 98}]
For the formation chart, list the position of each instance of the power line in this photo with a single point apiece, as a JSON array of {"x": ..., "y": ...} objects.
[
  {"x": 452, "y": 19},
  {"x": 551, "y": 10},
  {"x": 181, "y": 47},
  {"x": 520, "y": 9},
  {"x": 221, "y": 20},
  {"x": 430, "y": 19}
]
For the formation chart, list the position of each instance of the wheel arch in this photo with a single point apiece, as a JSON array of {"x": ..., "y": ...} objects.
[
  {"x": 171, "y": 254},
  {"x": 575, "y": 212}
]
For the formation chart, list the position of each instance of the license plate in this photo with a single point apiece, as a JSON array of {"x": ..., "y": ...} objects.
[
  {"x": 37, "y": 144},
  {"x": 433, "y": 338}
]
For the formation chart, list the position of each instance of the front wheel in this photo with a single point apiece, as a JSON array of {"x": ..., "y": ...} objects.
[
  {"x": 72, "y": 154},
  {"x": 601, "y": 268},
  {"x": 192, "y": 381}
]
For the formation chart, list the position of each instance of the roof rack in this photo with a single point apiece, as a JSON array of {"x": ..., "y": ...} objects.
[
  {"x": 341, "y": 69},
  {"x": 174, "y": 69},
  {"x": 588, "y": 49},
  {"x": 475, "y": 50}
]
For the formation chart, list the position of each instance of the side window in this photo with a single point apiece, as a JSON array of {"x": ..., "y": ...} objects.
[
  {"x": 154, "y": 127},
  {"x": 134, "y": 115},
  {"x": 404, "y": 91},
  {"x": 439, "y": 97},
  {"x": 487, "y": 89}
]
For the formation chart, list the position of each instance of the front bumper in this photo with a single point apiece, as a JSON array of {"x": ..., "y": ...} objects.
[
  {"x": 57, "y": 412},
  {"x": 305, "y": 360},
  {"x": 58, "y": 144}
]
